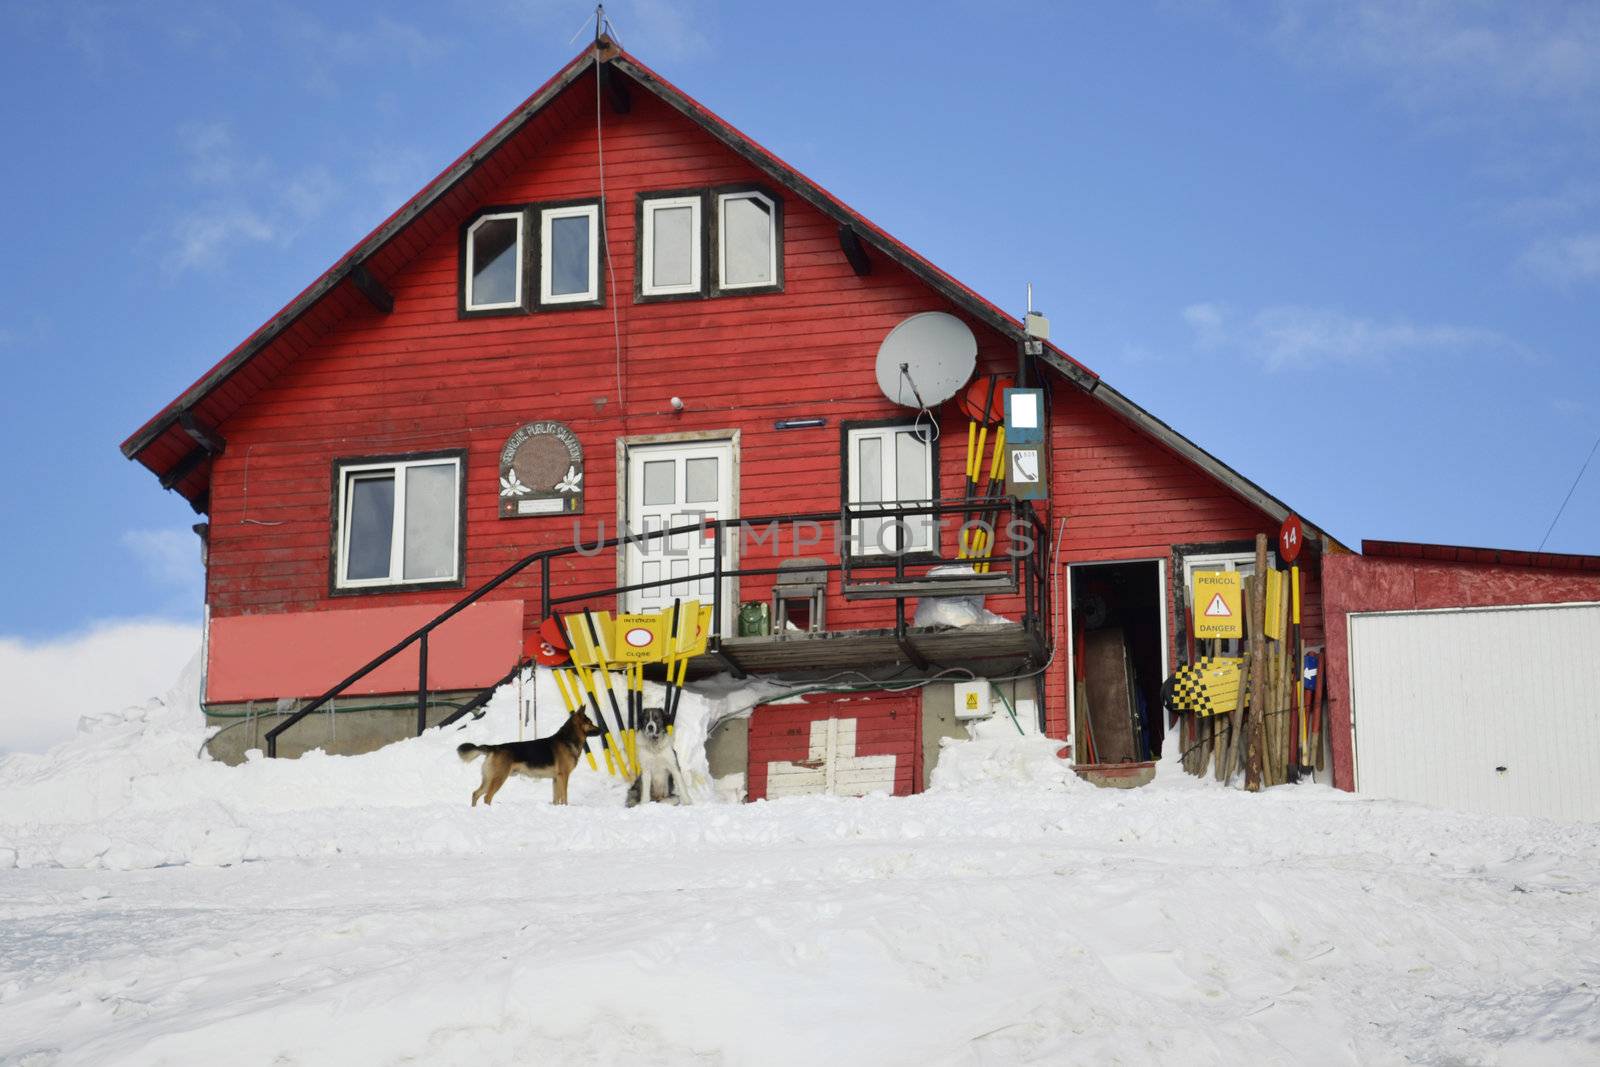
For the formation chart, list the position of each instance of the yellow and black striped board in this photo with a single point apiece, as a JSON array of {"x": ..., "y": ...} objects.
[{"x": 1209, "y": 685}]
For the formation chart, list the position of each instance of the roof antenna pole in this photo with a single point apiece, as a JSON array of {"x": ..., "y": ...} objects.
[{"x": 599, "y": 22}]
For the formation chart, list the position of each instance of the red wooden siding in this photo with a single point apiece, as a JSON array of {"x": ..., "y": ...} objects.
[
  {"x": 422, "y": 378},
  {"x": 1125, "y": 496},
  {"x": 352, "y": 381},
  {"x": 887, "y": 724}
]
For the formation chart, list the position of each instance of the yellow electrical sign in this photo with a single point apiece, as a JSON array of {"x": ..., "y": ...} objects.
[{"x": 1217, "y": 604}]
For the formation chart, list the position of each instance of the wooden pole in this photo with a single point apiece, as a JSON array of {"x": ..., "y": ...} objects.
[{"x": 1258, "y": 662}]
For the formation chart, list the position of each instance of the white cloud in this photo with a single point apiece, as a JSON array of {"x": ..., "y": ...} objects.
[
  {"x": 671, "y": 29},
  {"x": 1565, "y": 261},
  {"x": 51, "y": 684},
  {"x": 203, "y": 236},
  {"x": 263, "y": 206},
  {"x": 325, "y": 54},
  {"x": 1293, "y": 337},
  {"x": 213, "y": 155},
  {"x": 169, "y": 557},
  {"x": 1439, "y": 52}
]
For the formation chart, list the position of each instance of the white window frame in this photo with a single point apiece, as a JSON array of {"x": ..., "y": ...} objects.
[
  {"x": 647, "y": 286},
  {"x": 885, "y": 435},
  {"x": 348, "y": 472},
  {"x": 722, "y": 240},
  {"x": 472, "y": 230},
  {"x": 576, "y": 211}
]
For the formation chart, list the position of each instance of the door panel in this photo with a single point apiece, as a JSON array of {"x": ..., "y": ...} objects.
[{"x": 672, "y": 485}]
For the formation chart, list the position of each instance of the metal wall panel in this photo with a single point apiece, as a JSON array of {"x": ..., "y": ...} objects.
[{"x": 1443, "y": 700}]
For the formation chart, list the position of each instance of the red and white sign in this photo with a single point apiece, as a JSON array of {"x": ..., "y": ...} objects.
[
  {"x": 1218, "y": 608},
  {"x": 1290, "y": 538}
]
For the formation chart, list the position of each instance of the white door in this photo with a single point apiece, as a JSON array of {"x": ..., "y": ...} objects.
[
  {"x": 1488, "y": 709},
  {"x": 672, "y": 485}
]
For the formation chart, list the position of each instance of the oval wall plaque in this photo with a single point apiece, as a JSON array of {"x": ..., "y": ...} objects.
[{"x": 541, "y": 472}]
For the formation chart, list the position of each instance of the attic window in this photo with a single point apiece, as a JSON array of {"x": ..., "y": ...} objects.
[
  {"x": 569, "y": 268},
  {"x": 747, "y": 241},
  {"x": 494, "y": 262},
  {"x": 669, "y": 256}
]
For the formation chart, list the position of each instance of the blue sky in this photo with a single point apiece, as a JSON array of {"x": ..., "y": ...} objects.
[{"x": 1353, "y": 249}]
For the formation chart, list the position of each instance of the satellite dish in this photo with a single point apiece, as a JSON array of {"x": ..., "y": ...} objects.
[{"x": 926, "y": 359}]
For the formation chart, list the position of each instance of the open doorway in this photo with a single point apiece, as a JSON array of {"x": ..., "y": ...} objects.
[{"x": 1119, "y": 657}]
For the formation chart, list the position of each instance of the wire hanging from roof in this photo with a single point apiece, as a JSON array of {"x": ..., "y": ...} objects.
[{"x": 1568, "y": 498}]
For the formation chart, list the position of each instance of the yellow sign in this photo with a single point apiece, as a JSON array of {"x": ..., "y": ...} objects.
[
  {"x": 1272, "y": 624},
  {"x": 580, "y": 638},
  {"x": 694, "y": 623},
  {"x": 1217, "y": 600},
  {"x": 638, "y": 637}
]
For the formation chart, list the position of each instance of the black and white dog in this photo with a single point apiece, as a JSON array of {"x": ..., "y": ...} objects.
[{"x": 660, "y": 776}]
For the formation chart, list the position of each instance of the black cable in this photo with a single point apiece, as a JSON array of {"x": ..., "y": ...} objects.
[{"x": 1568, "y": 497}]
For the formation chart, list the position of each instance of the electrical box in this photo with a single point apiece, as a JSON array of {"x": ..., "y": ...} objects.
[{"x": 972, "y": 699}]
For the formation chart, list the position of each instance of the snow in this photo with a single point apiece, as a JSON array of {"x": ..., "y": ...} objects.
[{"x": 158, "y": 908}]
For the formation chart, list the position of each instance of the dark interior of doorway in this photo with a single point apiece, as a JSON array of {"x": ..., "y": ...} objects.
[{"x": 1116, "y": 615}]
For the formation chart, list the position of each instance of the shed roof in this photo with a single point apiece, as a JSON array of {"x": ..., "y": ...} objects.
[{"x": 1499, "y": 557}]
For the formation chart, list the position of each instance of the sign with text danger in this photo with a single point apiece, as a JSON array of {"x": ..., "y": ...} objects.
[{"x": 1217, "y": 604}]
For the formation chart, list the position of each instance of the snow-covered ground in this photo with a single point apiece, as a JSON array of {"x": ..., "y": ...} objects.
[{"x": 160, "y": 909}]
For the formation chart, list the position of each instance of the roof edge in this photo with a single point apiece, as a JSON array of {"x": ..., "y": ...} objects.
[
  {"x": 1470, "y": 555},
  {"x": 367, "y": 246},
  {"x": 897, "y": 251},
  {"x": 1222, "y": 472}
]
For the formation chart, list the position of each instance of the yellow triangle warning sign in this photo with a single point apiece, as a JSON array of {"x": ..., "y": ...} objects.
[{"x": 1217, "y": 604}]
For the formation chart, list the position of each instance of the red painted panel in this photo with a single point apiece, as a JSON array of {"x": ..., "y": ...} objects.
[
  {"x": 303, "y": 654},
  {"x": 886, "y": 724},
  {"x": 1369, "y": 583}
]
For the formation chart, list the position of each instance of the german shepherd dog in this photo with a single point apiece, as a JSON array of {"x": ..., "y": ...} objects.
[
  {"x": 660, "y": 776},
  {"x": 549, "y": 757}
]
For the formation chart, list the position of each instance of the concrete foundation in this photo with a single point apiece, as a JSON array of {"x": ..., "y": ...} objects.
[
  {"x": 356, "y": 726},
  {"x": 728, "y": 748},
  {"x": 938, "y": 722}
]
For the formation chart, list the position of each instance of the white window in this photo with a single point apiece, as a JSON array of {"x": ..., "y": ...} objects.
[
  {"x": 889, "y": 465},
  {"x": 399, "y": 522},
  {"x": 747, "y": 240},
  {"x": 494, "y": 262},
  {"x": 669, "y": 257},
  {"x": 1243, "y": 562},
  {"x": 569, "y": 268}
]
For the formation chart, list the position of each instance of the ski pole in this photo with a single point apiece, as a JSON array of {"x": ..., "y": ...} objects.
[
  {"x": 573, "y": 705},
  {"x": 611, "y": 692}
]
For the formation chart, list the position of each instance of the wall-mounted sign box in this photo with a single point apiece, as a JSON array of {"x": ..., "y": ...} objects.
[{"x": 1027, "y": 460}]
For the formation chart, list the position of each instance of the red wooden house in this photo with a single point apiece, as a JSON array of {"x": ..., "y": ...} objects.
[{"x": 615, "y": 308}]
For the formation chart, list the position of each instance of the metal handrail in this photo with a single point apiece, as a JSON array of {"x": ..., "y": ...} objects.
[{"x": 847, "y": 513}]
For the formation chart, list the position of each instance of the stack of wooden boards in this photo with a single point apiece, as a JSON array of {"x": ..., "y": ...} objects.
[{"x": 1262, "y": 711}]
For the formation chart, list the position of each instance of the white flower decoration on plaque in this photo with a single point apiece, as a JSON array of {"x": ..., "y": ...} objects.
[
  {"x": 570, "y": 483},
  {"x": 511, "y": 485}
]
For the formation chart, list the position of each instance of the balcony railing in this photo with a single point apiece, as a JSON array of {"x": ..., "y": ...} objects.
[{"x": 1013, "y": 562}]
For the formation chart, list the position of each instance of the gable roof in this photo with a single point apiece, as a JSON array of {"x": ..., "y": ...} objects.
[{"x": 178, "y": 441}]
